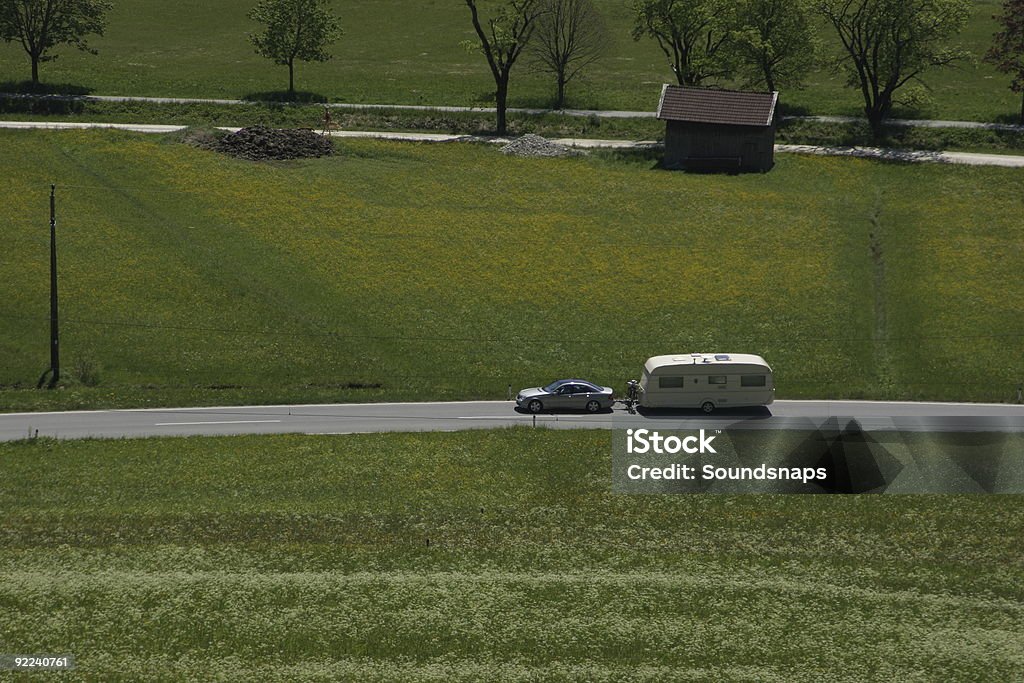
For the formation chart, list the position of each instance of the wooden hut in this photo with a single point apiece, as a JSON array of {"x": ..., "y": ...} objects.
[{"x": 718, "y": 130}]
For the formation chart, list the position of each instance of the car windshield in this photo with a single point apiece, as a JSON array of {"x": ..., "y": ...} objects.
[{"x": 554, "y": 385}]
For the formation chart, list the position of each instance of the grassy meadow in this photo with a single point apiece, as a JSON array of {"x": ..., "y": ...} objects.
[
  {"x": 484, "y": 556},
  {"x": 408, "y": 52},
  {"x": 397, "y": 271}
]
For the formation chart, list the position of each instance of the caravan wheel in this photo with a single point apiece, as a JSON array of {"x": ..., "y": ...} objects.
[{"x": 707, "y": 407}]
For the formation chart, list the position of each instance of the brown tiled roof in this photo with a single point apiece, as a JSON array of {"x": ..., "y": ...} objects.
[{"x": 730, "y": 107}]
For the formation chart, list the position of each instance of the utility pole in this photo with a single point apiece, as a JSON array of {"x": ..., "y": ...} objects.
[{"x": 54, "y": 337}]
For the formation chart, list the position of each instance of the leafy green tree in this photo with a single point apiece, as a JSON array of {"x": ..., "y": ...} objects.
[
  {"x": 775, "y": 42},
  {"x": 41, "y": 25},
  {"x": 1007, "y": 54},
  {"x": 887, "y": 43},
  {"x": 294, "y": 30},
  {"x": 502, "y": 42},
  {"x": 571, "y": 35},
  {"x": 695, "y": 35}
]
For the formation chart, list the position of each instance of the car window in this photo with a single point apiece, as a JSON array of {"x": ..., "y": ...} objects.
[{"x": 586, "y": 388}]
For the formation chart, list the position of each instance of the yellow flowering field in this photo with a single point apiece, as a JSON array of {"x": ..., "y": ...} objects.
[{"x": 416, "y": 271}]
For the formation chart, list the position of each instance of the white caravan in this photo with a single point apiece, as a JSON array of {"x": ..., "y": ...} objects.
[{"x": 706, "y": 381}]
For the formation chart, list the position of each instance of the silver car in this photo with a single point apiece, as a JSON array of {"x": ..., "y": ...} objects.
[{"x": 566, "y": 394}]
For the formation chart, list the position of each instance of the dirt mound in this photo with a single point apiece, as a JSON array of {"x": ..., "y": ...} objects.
[
  {"x": 259, "y": 142},
  {"x": 531, "y": 145},
  {"x": 203, "y": 138}
]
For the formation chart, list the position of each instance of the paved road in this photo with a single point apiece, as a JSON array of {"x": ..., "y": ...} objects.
[
  {"x": 456, "y": 416},
  {"x": 968, "y": 158},
  {"x": 600, "y": 113}
]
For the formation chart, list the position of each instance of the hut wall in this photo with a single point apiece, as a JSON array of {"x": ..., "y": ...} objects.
[{"x": 693, "y": 146}]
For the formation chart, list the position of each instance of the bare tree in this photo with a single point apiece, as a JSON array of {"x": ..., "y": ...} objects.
[
  {"x": 571, "y": 35},
  {"x": 502, "y": 43}
]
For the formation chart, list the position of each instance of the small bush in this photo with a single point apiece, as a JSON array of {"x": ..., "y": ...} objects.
[{"x": 86, "y": 371}]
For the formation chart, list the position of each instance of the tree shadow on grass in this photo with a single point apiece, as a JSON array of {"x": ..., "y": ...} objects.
[
  {"x": 285, "y": 97},
  {"x": 786, "y": 109},
  {"x": 26, "y": 97},
  {"x": 30, "y": 88},
  {"x": 1013, "y": 119},
  {"x": 49, "y": 105}
]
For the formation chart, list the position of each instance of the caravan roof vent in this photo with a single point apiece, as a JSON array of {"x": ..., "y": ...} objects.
[{"x": 722, "y": 356}]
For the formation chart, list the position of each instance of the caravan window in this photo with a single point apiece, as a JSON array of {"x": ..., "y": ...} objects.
[
  {"x": 717, "y": 379},
  {"x": 670, "y": 382},
  {"x": 753, "y": 381}
]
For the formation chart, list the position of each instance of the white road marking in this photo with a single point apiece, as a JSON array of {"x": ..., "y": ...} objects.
[
  {"x": 201, "y": 409},
  {"x": 494, "y": 417},
  {"x": 224, "y": 422}
]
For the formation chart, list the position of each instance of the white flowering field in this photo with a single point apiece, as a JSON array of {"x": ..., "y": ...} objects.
[{"x": 484, "y": 556}]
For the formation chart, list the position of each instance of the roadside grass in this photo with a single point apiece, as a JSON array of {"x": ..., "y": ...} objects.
[
  {"x": 312, "y": 116},
  {"x": 399, "y": 271},
  {"x": 800, "y": 132},
  {"x": 492, "y": 554},
  {"x": 791, "y": 131},
  {"x": 401, "y": 51}
]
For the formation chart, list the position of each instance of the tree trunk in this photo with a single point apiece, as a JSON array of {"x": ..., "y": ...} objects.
[
  {"x": 877, "y": 112},
  {"x": 877, "y": 122},
  {"x": 501, "y": 102},
  {"x": 560, "y": 98},
  {"x": 1022, "y": 108},
  {"x": 291, "y": 77},
  {"x": 35, "y": 69}
]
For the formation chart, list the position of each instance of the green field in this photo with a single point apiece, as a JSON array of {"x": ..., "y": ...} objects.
[
  {"x": 485, "y": 555},
  {"x": 415, "y": 271},
  {"x": 406, "y": 51}
]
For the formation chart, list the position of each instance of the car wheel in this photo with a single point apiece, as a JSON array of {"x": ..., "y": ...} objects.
[
  {"x": 593, "y": 406},
  {"x": 707, "y": 407},
  {"x": 535, "y": 406}
]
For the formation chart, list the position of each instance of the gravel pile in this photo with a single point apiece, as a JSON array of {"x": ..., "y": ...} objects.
[
  {"x": 259, "y": 143},
  {"x": 531, "y": 145}
]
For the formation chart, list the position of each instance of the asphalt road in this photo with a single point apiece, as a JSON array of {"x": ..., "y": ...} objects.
[{"x": 456, "y": 416}]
